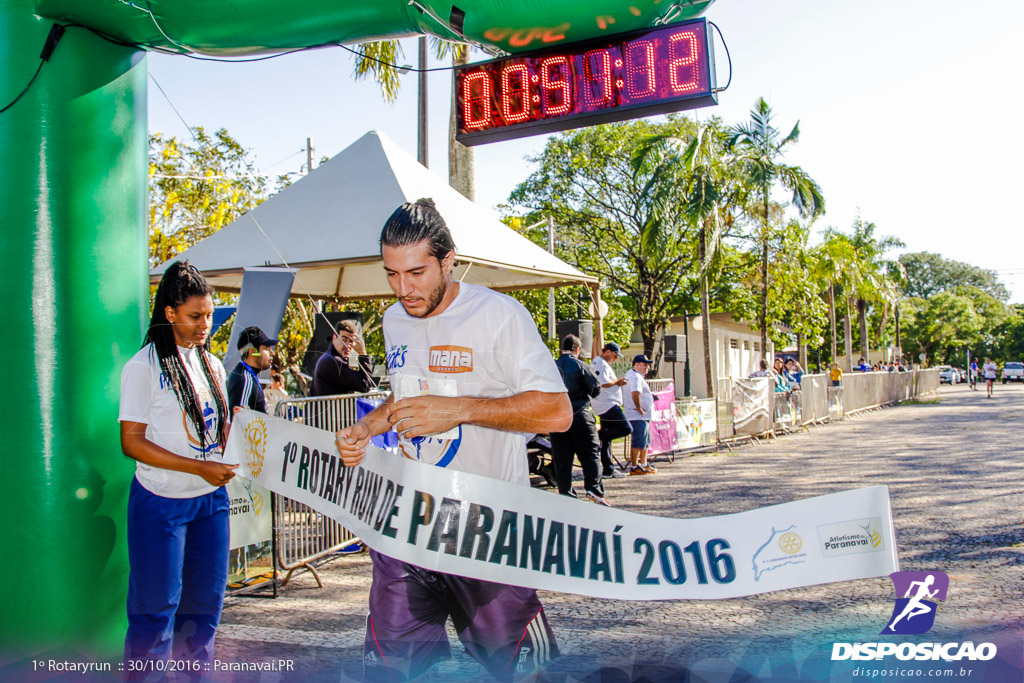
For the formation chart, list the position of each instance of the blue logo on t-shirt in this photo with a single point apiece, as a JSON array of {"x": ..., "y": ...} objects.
[
  {"x": 396, "y": 356},
  {"x": 431, "y": 449}
]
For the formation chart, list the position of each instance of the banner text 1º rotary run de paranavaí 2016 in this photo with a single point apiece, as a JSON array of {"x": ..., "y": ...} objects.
[{"x": 494, "y": 530}]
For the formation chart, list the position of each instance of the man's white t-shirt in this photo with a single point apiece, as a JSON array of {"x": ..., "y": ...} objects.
[
  {"x": 990, "y": 370},
  {"x": 148, "y": 397},
  {"x": 484, "y": 344},
  {"x": 636, "y": 382},
  {"x": 610, "y": 396}
]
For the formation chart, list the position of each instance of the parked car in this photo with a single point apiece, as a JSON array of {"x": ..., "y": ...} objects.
[
  {"x": 1013, "y": 371},
  {"x": 948, "y": 375}
]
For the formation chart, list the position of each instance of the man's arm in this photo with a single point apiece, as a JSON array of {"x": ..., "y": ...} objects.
[{"x": 538, "y": 412}]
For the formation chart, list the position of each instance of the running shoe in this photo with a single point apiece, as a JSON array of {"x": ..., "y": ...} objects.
[
  {"x": 611, "y": 474},
  {"x": 637, "y": 470},
  {"x": 600, "y": 500},
  {"x": 649, "y": 469}
]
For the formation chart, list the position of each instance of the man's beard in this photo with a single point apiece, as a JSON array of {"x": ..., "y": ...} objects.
[{"x": 434, "y": 301}]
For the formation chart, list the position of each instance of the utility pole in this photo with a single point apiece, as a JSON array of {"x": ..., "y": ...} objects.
[
  {"x": 552, "y": 320},
  {"x": 309, "y": 156},
  {"x": 421, "y": 147}
]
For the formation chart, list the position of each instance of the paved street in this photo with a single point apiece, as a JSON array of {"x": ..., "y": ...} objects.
[{"x": 953, "y": 468}]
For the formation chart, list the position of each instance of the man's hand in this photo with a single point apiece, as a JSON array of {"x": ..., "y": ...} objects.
[
  {"x": 352, "y": 442},
  {"x": 216, "y": 473},
  {"x": 425, "y": 415},
  {"x": 620, "y": 382},
  {"x": 359, "y": 345}
]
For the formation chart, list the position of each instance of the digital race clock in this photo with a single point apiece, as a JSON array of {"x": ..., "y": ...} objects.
[{"x": 615, "y": 78}]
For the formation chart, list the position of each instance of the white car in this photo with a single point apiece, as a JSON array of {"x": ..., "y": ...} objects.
[
  {"x": 948, "y": 375},
  {"x": 1013, "y": 371}
]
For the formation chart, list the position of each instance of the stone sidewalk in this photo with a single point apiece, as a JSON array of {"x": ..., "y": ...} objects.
[{"x": 954, "y": 469}]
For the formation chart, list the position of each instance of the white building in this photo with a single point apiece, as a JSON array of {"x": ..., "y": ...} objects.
[{"x": 735, "y": 351}]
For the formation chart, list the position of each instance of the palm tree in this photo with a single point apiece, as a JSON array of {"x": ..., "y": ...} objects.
[
  {"x": 835, "y": 261},
  {"x": 874, "y": 283},
  {"x": 759, "y": 148},
  {"x": 696, "y": 164},
  {"x": 376, "y": 61}
]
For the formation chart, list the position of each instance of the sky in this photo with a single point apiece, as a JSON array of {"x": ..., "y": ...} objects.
[{"x": 908, "y": 113}]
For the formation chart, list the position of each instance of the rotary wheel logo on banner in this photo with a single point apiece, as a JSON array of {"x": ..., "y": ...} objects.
[{"x": 255, "y": 445}]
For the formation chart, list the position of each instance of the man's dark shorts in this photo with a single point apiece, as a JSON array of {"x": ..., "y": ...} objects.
[{"x": 502, "y": 627}]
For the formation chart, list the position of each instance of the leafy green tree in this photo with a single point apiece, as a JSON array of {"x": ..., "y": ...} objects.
[
  {"x": 875, "y": 272},
  {"x": 609, "y": 227},
  {"x": 939, "y": 324},
  {"x": 760, "y": 148},
  {"x": 693, "y": 159},
  {"x": 195, "y": 189},
  {"x": 928, "y": 274}
]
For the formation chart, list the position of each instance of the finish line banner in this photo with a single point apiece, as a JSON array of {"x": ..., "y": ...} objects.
[{"x": 488, "y": 529}]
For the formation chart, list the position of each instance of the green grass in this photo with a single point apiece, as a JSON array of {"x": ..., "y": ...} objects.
[{"x": 922, "y": 402}]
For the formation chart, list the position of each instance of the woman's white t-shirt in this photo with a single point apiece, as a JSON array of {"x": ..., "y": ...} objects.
[
  {"x": 148, "y": 397},
  {"x": 484, "y": 344}
]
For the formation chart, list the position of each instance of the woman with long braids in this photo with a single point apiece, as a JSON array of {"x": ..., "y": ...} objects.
[{"x": 174, "y": 419}]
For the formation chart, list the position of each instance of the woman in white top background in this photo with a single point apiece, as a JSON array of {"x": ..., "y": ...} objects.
[{"x": 174, "y": 418}]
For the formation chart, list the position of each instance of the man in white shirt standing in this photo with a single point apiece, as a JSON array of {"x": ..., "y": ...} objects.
[
  {"x": 470, "y": 375},
  {"x": 638, "y": 411},
  {"x": 608, "y": 405}
]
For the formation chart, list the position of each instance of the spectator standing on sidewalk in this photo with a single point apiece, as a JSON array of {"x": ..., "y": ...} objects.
[
  {"x": 762, "y": 372},
  {"x": 608, "y": 405},
  {"x": 638, "y": 411},
  {"x": 580, "y": 440},
  {"x": 836, "y": 375}
]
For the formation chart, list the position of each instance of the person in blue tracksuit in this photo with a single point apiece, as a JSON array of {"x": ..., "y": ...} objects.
[{"x": 174, "y": 418}]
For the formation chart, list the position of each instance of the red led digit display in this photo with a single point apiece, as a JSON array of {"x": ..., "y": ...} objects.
[{"x": 616, "y": 78}]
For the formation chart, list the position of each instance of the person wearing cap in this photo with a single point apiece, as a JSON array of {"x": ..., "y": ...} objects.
[
  {"x": 638, "y": 411},
  {"x": 608, "y": 405},
  {"x": 244, "y": 388},
  {"x": 345, "y": 367}
]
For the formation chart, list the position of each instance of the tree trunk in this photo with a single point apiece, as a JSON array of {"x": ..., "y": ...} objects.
[
  {"x": 460, "y": 157},
  {"x": 862, "y": 317},
  {"x": 847, "y": 338},
  {"x": 764, "y": 272},
  {"x": 705, "y": 314},
  {"x": 832, "y": 321},
  {"x": 801, "y": 351},
  {"x": 884, "y": 319}
]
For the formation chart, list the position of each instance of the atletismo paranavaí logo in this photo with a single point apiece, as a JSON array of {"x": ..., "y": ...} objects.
[{"x": 917, "y": 598}]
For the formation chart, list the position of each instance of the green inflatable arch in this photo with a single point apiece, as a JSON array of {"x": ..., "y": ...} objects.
[{"x": 74, "y": 279}]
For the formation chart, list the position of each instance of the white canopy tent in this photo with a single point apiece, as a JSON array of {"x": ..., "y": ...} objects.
[{"x": 327, "y": 226}]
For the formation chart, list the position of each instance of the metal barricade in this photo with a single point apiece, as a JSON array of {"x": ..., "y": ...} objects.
[
  {"x": 835, "y": 403},
  {"x": 786, "y": 417},
  {"x": 301, "y": 534}
]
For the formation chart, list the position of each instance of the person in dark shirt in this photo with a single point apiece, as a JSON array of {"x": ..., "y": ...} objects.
[
  {"x": 580, "y": 439},
  {"x": 336, "y": 371},
  {"x": 244, "y": 388}
]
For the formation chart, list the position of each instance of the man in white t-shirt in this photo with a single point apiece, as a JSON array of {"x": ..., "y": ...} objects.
[
  {"x": 608, "y": 405},
  {"x": 638, "y": 409},
  {"x": 470, "y": 375}
]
